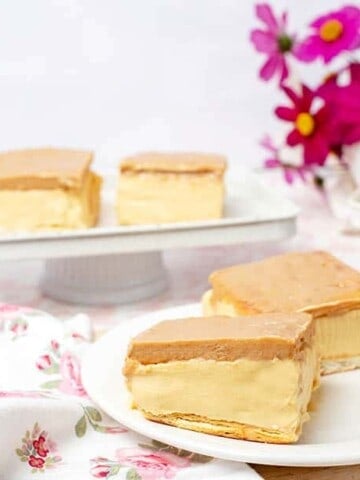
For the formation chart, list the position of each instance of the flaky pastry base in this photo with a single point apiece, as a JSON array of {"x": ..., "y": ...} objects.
[{"x": 224, "y": 428}]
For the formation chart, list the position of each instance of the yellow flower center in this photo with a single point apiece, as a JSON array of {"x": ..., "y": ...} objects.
[
  {"x": 331, "y": 30},
  {"x": 305, "y": 124}
]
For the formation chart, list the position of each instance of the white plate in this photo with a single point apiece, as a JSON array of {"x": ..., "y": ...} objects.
[
  {"x": 253, "y": 211},
  {"x": 331, "y": 437}
]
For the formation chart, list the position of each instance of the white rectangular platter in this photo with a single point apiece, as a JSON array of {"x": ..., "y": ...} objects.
[{"x": 253, "y": 212}]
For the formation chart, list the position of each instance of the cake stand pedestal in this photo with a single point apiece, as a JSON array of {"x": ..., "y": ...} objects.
[{"x": 105, "y": 279}]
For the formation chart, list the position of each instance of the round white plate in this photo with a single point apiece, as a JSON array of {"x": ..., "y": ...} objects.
[{"x": 331, "y": 437}]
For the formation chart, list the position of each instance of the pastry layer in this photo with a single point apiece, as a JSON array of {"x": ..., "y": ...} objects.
[
  {"x": 160, "y": 197},
  {"x": 45, "y": 168},
  {"x": 263, "y": 400},
  {"x": 315, "y": 282},
  {"x": 222, "y": 428},
  {"x": 54, "y": 208},
  {"x": 259, "y": 337},
  {"x": 174, "y": 162}
]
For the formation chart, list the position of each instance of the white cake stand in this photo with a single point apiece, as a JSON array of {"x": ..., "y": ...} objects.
[
  {"x": 106, "y": 279},
  {"x": 114, "y": 265}
]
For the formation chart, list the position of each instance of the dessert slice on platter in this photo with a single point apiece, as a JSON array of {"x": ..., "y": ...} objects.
[
  {"x": 46, "y": 189},
  {"x": 170, "y": 187},
  {"x": 248, "y": 378},
  {"x": 313, "y": 282}
]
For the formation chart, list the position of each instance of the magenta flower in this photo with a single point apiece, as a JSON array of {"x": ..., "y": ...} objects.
[
  {"x": 313, "y": 130},
  {"x": 274, "y": 41},
  {"x": 332, "y": 34}
]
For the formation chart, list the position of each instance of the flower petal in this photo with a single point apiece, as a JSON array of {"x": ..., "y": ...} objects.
[
  {"x": 283, "y": 20},
  {"x": 301, "y": 171},
  {"x": 352, "y": 135},
  {"x": 267, "y": 143},
  {"x": 307, "y": 50},
  {"x": 316, "y": 149},
  {"x": 355, "y": 71},
  {"x": 294, "y": 138},
  {"x": 285, "y": 71},
  {"x": 291, "y": 94},
  {"x": 288, "y": 175},
  {"x": 286, "y": 113},
  {"x": 269, "y": 68},
  {"x": 271, "y": 163},
  {"x": 264, "y": 13},
  {"x": 307, "y": 98},
  {"x": 263, "y": 41}
]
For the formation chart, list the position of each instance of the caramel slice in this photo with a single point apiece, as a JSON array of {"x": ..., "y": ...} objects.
[
  {"x": 313, "y": 282},
  {"x": 170, "y": 187},
  {"x": 248, "y": 377},
  {"x": 48, "y": 189}
]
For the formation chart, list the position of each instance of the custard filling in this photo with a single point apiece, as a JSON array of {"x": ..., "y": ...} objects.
[
  {"x": 272, "y": 394},
  {"x": 55, "y": 208},
  {"x": 158, "y": 197}
]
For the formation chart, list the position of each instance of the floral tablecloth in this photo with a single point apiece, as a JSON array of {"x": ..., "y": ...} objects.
[
  {"x": 49, "y": 427},
  {"x": 58, "y": 430}
]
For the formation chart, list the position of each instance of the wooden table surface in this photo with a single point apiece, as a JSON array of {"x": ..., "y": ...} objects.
[{"x": 322, "y": 473}]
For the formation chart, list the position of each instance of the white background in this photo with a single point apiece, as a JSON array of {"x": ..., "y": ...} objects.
[{"x": 121, "y": 76}]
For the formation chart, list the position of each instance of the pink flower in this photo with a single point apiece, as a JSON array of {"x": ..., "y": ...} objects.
[
  {"x": 100, "y": 471},
  {"x": 40, "y": 446},
  {"x": 36, "y": 462},
  {"x": 44, "y": 362},
  {"x": 71, "y": 377},
  {"x": 274, "y": 42},
  {"x": 332, "y": 34},
  {"x": 151, "y": 465},
  {"x": 54, "y": 345},
  {"x": 274, "y": 160},
  {"x": 18, "y": 327},
  {"x": 314, "y": 130}
]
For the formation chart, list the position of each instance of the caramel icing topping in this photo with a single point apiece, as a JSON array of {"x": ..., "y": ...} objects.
[
  {"x": 43, "y": 169},
  {"x": 174, "y": 163},
  {"x": 258, "y": 337},
  {"x": 314, "y": 282}
]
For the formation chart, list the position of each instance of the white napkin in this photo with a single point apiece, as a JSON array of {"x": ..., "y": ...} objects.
[{"x": 50, "y": 426}]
